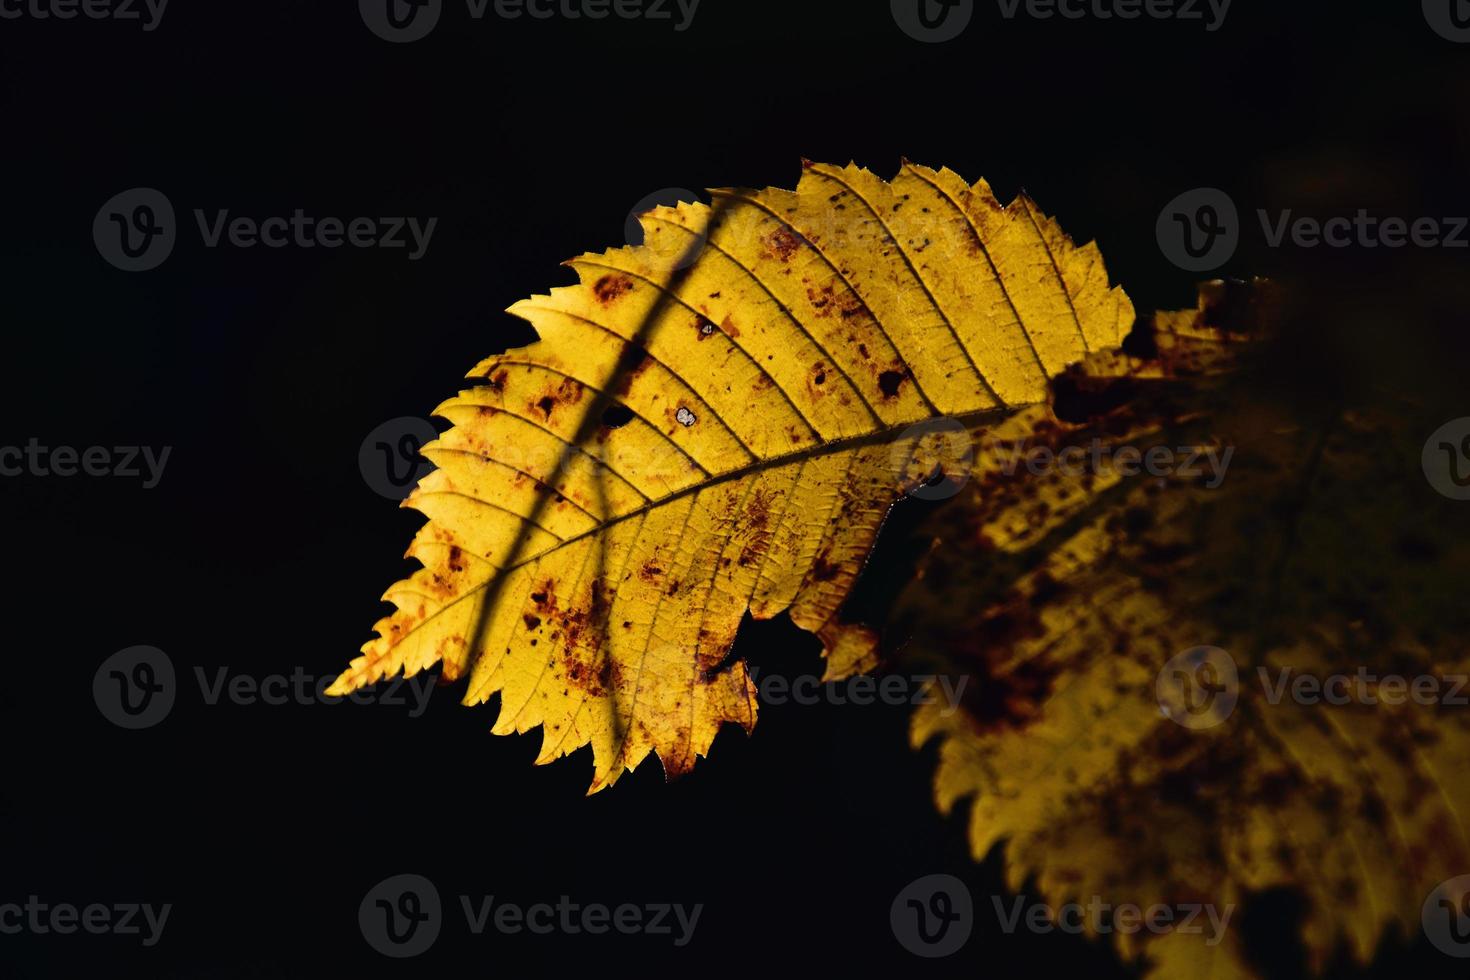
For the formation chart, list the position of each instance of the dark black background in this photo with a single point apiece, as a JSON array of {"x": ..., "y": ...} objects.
[{"x": 263, "y": 549}]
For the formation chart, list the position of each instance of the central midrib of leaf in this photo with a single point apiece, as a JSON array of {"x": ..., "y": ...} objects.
[{"x": 987, "y": 416}]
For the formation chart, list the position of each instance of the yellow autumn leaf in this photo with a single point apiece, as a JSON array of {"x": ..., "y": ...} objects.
[
  {"x": 715, "y": 422},
  {"x": 1134, "y": 639}
]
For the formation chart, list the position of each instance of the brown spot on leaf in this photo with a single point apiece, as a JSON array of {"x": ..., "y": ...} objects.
[
  {"x": 782, "y": 243},
  {"x": 758, "y": 511},
  {"x": 823, "y": 570},
  {"x": 821, "y": 299},
  {"x": 610, "y": 287}
]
